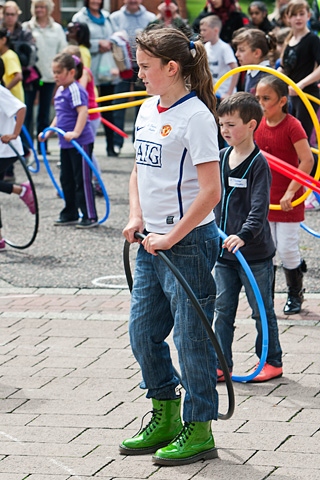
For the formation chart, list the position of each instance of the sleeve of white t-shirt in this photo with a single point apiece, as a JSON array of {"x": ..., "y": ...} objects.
[
  {"x": 9, "y": 104},
  {"x": 201, "y": 138},
  {"x": 228, "y": 54}
]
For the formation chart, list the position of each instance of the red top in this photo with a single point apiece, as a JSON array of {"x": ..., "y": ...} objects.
[
  {"x": 279, "y": 141},
  {"x": 91, "y": 95}
]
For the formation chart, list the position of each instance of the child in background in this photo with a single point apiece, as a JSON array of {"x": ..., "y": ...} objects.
[
  {"x": 12, "y": 77},
  {"x": 243, "y": 215},
  {"x": 281, "y": 35},
  {"x": 301, "y": 61},
  {"x": 12, "y": 113},
  {"x": 174, "y": 186},
  {"x": 282, "y": 135},
  {"x": 220, "y": 57},
  {"x": 71, "y": 106},
  {"x": 12, "y": 80},
  {"x": 220, "y": 54},
  {"x": 252, "y": 48},
  {"x": 87, "y": 81},
  {"x": 258, "y": 13},
  {"x": 79, "y": 34}
]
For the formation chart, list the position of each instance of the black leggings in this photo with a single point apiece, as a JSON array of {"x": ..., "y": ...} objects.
[{"x": 4, "y": 186}]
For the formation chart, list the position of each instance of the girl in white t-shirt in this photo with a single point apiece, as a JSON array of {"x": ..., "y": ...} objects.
[
  {"x": 12, "y": 113},
  {"x": 174, "y": 187}
]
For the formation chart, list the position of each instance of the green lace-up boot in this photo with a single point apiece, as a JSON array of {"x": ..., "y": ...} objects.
[
  {"x": 163, "y": 427},
  {"x": 194, "y": 442}
]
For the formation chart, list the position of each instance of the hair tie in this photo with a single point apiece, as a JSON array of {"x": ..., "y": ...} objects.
[
  {"x": 76, "y": 60},
  {"x": 192, "y": 48}
]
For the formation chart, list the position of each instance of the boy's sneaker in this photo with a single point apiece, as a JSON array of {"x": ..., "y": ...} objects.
[
  {"x": 28, "y": 198},
  {"x": 87, "y": 223},
  {"x": 267, "y": 373},
  {"x": 62, "y": 222},
  {"x": 2, "y": 245},
  {"x": 220, "y": 375}
]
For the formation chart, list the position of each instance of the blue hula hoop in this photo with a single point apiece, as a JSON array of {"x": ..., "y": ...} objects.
[
  {"x": 309, "y": 230},
  {"x": 34, "y": 151},
  {"x": 263, "y": 316},
  {"x": 87, "y": 159},
  {"x": 317, "y": 195}
]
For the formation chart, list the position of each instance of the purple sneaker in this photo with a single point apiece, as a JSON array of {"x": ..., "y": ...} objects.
[{"x": 28, "y": 197}]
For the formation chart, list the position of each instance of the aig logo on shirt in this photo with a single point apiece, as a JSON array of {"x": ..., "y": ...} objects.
[{"x": 149, "y": 154}]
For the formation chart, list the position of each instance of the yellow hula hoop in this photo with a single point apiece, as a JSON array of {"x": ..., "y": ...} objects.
[
  {"x": 115, "y": 96},
  {"x": 312, "y": 98},
  {"x": 304, "y": 98},
  {"x": 119, "y": 106}
]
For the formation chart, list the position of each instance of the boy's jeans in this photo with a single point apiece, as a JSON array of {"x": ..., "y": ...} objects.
[
  {"x": 159, "y": 304},
  {"x": 229, "y": 280}
]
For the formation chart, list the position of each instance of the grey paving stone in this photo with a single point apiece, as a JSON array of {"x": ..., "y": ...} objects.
[
  {"x": 53, "y": 465},
  {"x": 303, "y": 473},
  {"x": 286, "y": 459},
  {"x": 286, "y": 429},
  {"x": 225, "y": 471}
]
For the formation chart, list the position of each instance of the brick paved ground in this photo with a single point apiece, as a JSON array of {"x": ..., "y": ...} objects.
[{"x": 69, "y": 390}]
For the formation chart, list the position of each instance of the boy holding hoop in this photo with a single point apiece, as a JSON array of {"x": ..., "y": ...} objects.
[{"x": 243, "y": 215}]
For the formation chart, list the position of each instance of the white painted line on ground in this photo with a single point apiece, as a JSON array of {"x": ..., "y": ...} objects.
[{"x": 101, "y": 282}]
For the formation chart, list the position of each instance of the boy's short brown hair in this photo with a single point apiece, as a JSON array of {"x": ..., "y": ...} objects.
[{"x": 243, "y": 103}]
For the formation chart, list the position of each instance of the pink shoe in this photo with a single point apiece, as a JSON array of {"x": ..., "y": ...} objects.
[
  {"x": 313, "y": 206},
  {"x": 2, "y": 245},
  {"x": 267, "y": 373},
  {"x": 28, "y": 197}
]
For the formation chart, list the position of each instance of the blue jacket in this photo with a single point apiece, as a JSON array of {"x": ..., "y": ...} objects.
[{"x": 244, "y": 206}]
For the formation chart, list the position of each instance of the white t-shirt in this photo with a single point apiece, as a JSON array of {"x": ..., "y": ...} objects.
[
  {"x": 168, "y": 146},
  {"x": 9, "y": 106},
  {"x": 220, "y": 55}
]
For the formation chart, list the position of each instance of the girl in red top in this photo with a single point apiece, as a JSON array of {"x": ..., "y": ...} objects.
[{"x": 282, "y": 135}]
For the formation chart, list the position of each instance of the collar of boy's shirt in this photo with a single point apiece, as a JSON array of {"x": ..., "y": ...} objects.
[{"x": 253, "y": 73}]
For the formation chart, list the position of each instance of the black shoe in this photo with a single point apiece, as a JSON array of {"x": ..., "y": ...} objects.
[
  {"x": 61, "y": 222},
  {"x": 97, "y": 190},
  {"x": 111, "y": 152},
  {"x": 293, "y": 304},
  {"x": 87, "y": 223}
]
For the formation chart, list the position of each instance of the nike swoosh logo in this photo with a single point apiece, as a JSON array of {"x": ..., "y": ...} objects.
[{"x": 139, "y": 128}]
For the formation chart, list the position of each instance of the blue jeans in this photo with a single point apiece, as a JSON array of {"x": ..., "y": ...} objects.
[
  {"x": 229, "y": 280},
  {"x": 159, "y": 304}
]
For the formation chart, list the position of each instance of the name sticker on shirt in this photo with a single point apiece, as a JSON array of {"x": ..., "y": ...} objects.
[{"x": 237, "y": 182}]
